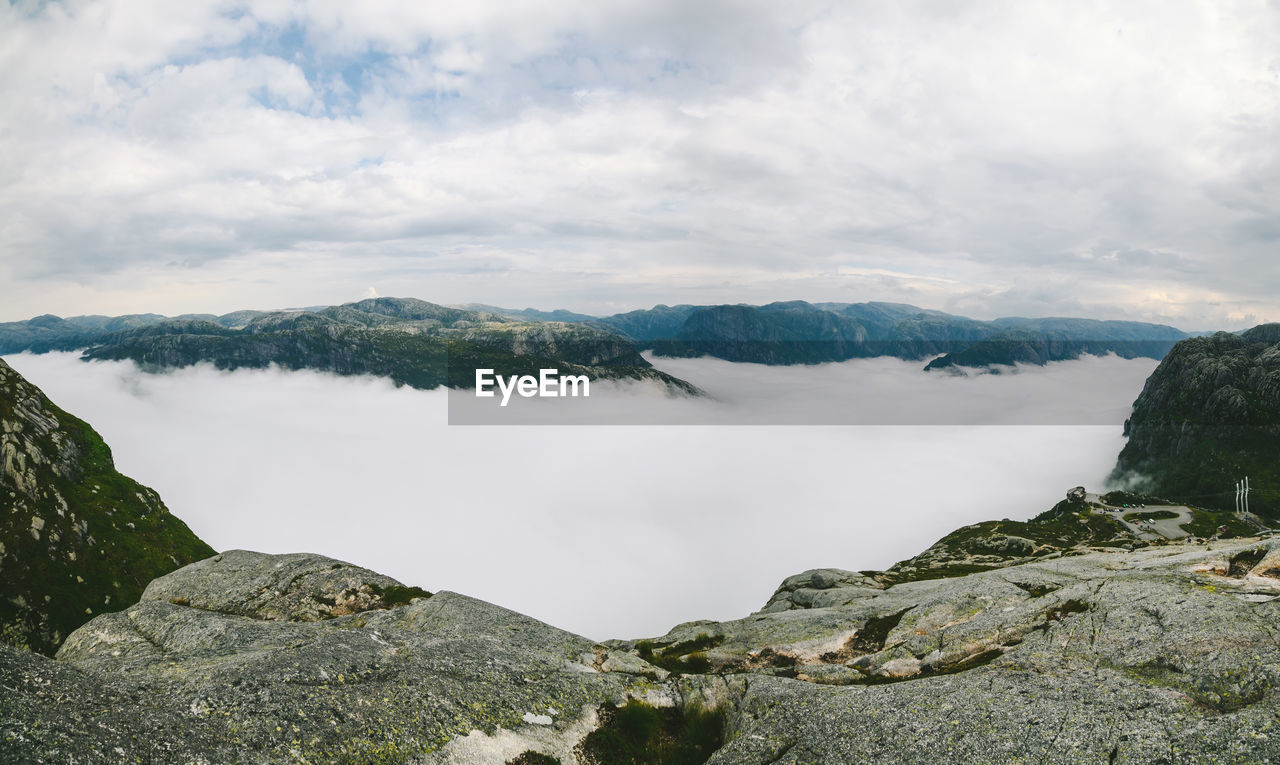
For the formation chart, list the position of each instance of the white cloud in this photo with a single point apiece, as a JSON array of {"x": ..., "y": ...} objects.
[
  {"x": 608, "y": 531},
  {"x": 609, "y": 155}
]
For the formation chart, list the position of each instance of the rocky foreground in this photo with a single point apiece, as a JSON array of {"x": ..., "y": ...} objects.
[{"x": 1163, "y": 654}]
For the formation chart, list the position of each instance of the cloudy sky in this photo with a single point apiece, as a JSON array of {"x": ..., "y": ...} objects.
[{"x": 1101, "y": 159}]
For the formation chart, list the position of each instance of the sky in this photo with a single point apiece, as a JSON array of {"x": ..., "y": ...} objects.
[
  {"x": 611, "y": 532},
  {"x": 987, "y": 158}
]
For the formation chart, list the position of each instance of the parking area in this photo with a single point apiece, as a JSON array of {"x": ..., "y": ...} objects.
[{"x": 1147, "y": 528}]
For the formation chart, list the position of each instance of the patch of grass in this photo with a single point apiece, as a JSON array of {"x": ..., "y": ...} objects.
[
  {"x": 875, "y": 632},
  {"x": 1224, "y": 525},
  {"x": 1036, "y": 589},
  {"x": 1150, "y": 515},
  {"x": 533, "y": 758},
  {"x": 1065, "y": 609},
  {"x": 1243, "y": 562},
  {"x": 686, "y": 657},
  {"x": 641, "y": 734},
  {"x": 397, "y": 595},
  {"x": 995, "y": 544}
]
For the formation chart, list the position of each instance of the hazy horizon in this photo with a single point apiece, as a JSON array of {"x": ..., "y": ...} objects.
[{"x": 624, "y": 309}]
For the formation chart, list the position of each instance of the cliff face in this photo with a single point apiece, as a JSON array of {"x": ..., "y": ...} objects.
[
  {"x": 1208, "y": 416},
  {"x": 76, "y": 537}
]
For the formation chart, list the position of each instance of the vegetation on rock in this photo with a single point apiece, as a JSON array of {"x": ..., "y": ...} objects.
[
  {"x": 637, "y": 733},
  {"x": 77, "y": 538},
  {"x": 1208, "y": 417}
]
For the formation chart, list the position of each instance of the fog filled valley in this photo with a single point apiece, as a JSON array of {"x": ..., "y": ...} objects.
[{"x": 608, "y": 531}]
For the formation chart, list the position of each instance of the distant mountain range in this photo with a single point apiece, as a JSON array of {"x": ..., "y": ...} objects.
[
  {"x": 410, "y": 341},
  {"x": 797, "y": 332},
  {"x": 424, "y": 345}
]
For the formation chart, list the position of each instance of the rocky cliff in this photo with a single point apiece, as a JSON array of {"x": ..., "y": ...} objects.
[
  {"x": 1160, "y": 654},
  {"x": 1208, "y": 416},
  {"x": 77, "y": 538},
  {"x": 255, "y": 658}
]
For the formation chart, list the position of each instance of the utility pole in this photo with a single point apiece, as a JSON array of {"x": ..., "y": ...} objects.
[{"x": 1242, "y": 495}]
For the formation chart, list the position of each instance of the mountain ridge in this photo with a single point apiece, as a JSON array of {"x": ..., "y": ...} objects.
[
  {"x": 785, "y": 332},
  {"x": 410, "y": 341}
]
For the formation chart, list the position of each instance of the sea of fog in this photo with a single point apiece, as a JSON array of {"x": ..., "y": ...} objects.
[{"x": 609, "y": 531}]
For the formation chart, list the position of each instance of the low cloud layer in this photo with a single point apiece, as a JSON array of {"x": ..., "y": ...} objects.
[
  {"x": 1093, "y": 390},
  {"x": 1111, "y": 160},
  {"x": 607, "y": 531}
]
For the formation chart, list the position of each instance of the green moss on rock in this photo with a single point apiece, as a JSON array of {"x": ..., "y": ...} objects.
[
  {"x": 637, "y": 733},
  {"x": 77, "y": 538}
]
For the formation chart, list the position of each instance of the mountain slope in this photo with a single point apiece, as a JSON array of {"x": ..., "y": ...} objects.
[
  {"x": 662, "y": 322},
  {"x": 1039, "y": 341},
  {"x": 76, "y": 537},
  {"x": 1208, "y": 416},
  {"x": 778, "y": 333}
]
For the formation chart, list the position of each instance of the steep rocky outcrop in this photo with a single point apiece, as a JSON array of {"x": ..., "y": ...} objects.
[
  {"x": 1123, "y": 656},
  {"x": 1207, "y": 417},
  {"x": 77, "y": 538},
  {"x": 229, "y": 660}
]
